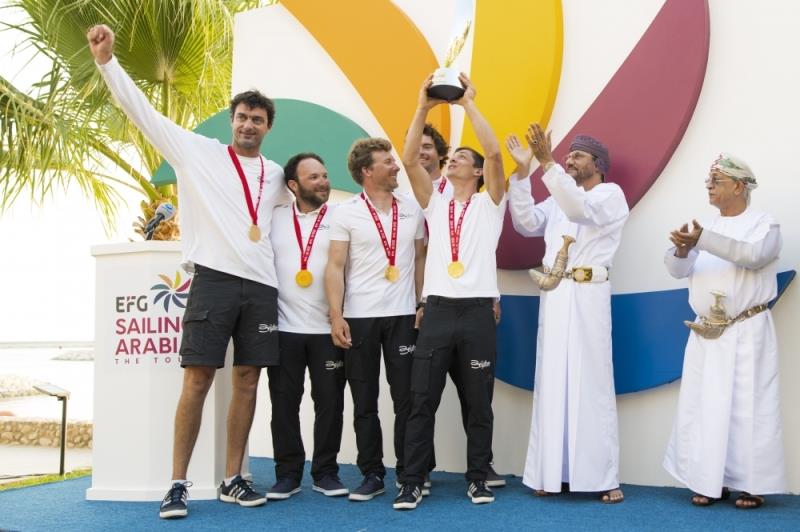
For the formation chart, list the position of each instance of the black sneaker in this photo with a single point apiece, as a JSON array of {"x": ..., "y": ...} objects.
[
  {"x": 426, "y": 486},
  {"x": 371, "y": 486},
  {"x": 283, "y": 489},
  {"x": 241, "y": 491},
  {"x": 479, "y": 492},
  {"x": 493, "y": 480},
  {"x": 409, "y": 496},
  {"x": 174, "y": 503},
  {"x": 330, "y": 486}
]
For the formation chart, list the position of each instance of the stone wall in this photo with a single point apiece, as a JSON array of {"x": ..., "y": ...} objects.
[{"x": 44, "y": 433}]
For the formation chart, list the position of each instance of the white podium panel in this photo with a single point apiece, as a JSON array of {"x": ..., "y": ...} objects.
[{"x": 140, "y": 299}]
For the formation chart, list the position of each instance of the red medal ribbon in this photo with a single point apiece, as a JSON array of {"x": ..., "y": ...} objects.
[
  {"x": 251, "y": 209},
  {"x": 455, "y": 230},
  {"x": 390, "y": 249},
  {"x": 306, "y": 253},
  {"x": 440, "y": 188}
]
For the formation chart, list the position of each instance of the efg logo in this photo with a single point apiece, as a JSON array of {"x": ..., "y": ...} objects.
[{"x": 146, "y": 333}]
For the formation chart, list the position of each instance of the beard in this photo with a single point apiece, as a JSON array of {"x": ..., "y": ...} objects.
[
  {"x": 315, "y": 199},
  {"x": 579, "y": 174}
]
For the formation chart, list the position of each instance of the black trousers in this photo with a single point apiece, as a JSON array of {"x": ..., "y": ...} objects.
[
  {"x": 455, "y": 377},
  {"x": 458, "y": 333},
  {"x": 325, "y": 363},
  {"x": 395, "y": 336}
]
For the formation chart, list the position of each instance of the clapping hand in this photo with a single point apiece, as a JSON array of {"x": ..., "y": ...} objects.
[
  {"x": 685, "y": 239},
  {"x": 541, "y": 144},
  {"x": 522, "y": 155}
]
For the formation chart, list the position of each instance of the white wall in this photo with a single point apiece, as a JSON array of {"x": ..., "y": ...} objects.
[{"x": 746, "y": 107}]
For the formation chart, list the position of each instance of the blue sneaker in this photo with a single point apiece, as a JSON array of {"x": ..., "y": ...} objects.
[
  {"x": 330, "y": 486},
  {"x": 371, "y": 486},
  {"x": 241, "y": 492},
  {"x": 174, "y": 503},
  {"x": 283, "y": 489}
]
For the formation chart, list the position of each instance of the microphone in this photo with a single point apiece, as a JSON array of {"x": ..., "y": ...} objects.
[{"x": 164, "y": 212}]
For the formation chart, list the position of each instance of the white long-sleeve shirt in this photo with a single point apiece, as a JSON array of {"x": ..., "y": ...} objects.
[
  {"x": 214, "y": 216},
  {"x": 595, "y": 218}
]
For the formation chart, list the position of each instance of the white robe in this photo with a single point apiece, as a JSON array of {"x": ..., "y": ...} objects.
[
  {"x": 573, "y": 435},
  {"x": 727, "y": 430}
]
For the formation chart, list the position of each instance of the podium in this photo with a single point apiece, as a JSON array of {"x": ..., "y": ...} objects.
[{"x": 139, "y": 303}]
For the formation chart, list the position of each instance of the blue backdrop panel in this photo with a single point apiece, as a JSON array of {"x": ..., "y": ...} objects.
[{"x": 648, "y": 336}]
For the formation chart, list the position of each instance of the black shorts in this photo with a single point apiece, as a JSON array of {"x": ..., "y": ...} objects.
[{"x": 222, "y": 306}]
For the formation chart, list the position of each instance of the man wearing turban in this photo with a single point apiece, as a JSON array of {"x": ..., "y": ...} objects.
[
  {"x": 573, "y": 438},
  {"x": 727, "y": 431}
]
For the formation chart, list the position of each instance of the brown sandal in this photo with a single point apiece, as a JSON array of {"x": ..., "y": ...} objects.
[
  {"x": 747, "y": 501},
  {"x": 608, "y": 496},
  {"x": 702, "y": 500}
]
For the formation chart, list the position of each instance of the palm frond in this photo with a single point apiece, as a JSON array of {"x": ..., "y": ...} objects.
[{"x": 177, "y": 51}]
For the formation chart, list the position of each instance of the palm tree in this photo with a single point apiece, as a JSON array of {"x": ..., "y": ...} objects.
[{"x": 66, "y": 130}]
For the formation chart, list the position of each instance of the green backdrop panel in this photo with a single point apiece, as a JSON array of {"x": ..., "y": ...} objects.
[{"x": 299, "y": 126}]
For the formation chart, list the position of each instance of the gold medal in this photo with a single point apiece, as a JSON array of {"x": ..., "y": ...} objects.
[
  {"x": 455, "y": 269},
  {"x": 254, "y": 233},
  {"x": 392, "y": 273},
  {"x": 304, "y": 278}
]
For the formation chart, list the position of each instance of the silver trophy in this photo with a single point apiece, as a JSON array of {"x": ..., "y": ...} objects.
[{"x": 446, "y": 85}]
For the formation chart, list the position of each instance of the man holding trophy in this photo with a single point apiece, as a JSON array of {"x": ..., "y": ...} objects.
[
  {"x": 458, "y": 325},
  {"x": 433, "y": 155}
]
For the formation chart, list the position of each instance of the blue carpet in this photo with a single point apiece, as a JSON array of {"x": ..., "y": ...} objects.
[{"x": 61, "y": 506}]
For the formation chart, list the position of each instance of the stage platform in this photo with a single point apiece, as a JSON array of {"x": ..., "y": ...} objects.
[{"x": 62, "y": 506}]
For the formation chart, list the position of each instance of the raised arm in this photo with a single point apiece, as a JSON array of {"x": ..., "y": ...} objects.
[
  {"x": 334, "y": 291},
  {"x": 527, "y": 218},
  {"x": 166, "y": 136},
  {"x": 493, "y": 174},
  {"x": 599, "y": 207},
  {"x": 417, "y": 175}
]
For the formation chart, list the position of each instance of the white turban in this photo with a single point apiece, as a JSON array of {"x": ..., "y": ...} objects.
[{"x": 736, "y": 169}]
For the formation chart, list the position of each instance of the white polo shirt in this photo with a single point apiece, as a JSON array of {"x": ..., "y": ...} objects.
[
  {"x": 480, "y": 233},
  {"x": 301, "y": 310},
  {"x": 368, "y": 294},
  {"x": 213, "y": 211},
  {"x": 443, "y": 186}
]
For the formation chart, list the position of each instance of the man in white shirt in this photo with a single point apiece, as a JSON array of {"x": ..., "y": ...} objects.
[
  {"x": 301, "y": 237},
  {"x": 373, "y": 281},
  {"x": 458, "y": 326},
  {"x": 227, "y": 194},
  {"x": 727, "y": 433},
  {"x": 433, "y": 155},
  {"x": 573, "y": 438}
]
